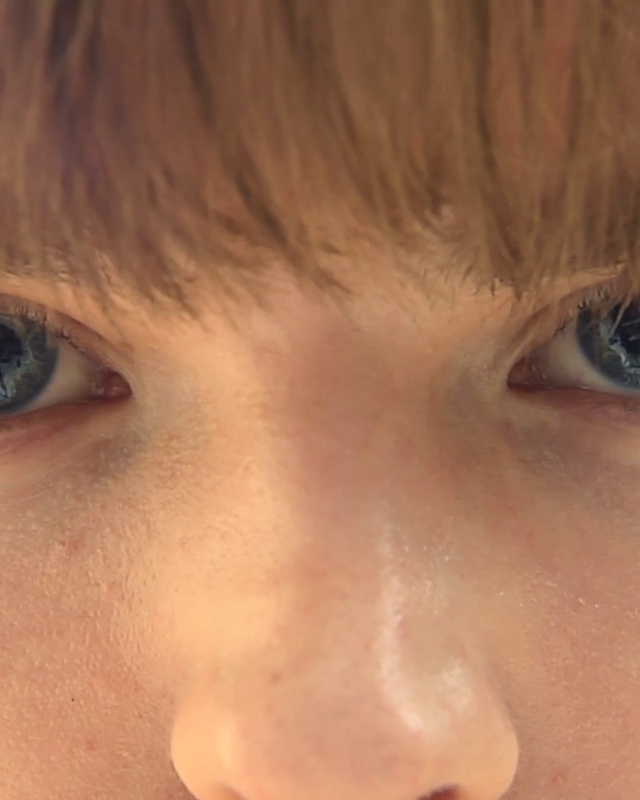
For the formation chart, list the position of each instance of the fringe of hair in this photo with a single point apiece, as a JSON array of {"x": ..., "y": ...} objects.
[{"x": 182, "y": 140}]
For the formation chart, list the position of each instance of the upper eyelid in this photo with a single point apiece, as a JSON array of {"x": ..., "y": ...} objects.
[
  {"x": 83, "y": 338},
  {"x": 545, "y": 323}
]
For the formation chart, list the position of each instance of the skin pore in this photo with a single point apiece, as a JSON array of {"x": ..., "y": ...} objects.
[{"x": 378, "y": 548}]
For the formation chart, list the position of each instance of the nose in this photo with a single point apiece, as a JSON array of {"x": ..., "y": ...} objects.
[
  {"x": 334, "y": 739},
  {"x": 355, "y": 714}
]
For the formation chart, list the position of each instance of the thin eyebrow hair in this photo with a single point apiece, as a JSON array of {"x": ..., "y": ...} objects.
[
  {"x": 58, "y": 271},
  {"x": 132, "y": 129},
  {"x": 605, "y": 237},
  {"x": 447, "y": 256}
]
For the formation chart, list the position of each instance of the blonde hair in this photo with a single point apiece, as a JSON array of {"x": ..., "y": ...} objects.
[{"x": 154, "y": 131}]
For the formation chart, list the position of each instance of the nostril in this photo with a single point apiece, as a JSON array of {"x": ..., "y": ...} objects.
[{"x": 448, "y": 792}]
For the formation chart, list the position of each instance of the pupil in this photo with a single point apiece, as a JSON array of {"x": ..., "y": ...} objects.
[
  {"x": 612, "y": 344},
  {"x": 28, "y": 358},
  {"x": 10, "y": 347}
]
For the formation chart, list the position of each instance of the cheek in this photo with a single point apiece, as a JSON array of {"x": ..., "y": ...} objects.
[
  {"x": 548, "y": 571},
  {"x": 547, "y": 541},
  {"x": 71, "y": 702}
]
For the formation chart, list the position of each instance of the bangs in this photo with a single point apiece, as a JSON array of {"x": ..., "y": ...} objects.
[{"x": 184, "y": 141}]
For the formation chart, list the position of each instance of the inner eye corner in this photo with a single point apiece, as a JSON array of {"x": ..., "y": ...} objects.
[{"x": 112, "y": 386}]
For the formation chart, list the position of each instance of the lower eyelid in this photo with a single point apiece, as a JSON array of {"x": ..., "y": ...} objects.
[
  {"x": 561, "y": 364},
  {"x": 26, "y": 434},
  {"x": 583, "y": 406}
]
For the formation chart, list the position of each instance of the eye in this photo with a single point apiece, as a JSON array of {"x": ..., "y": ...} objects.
[
  {"x": 41, "y": 368},
  {"x": 593, "y": 351}
]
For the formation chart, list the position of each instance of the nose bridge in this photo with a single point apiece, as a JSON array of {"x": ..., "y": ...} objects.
[
  {"x": 363, "y": 692},
  {"x": 364, "y": 688}
]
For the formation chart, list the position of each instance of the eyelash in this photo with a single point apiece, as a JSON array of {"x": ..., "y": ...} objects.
[
  {"x": 112, "y": 381},
  {"x": 541, "y": 328},
  {"x": 75, "y": 334},
  {"x": 42, "y": 317},
  {"x": 548, "y": 322},
  {"x": 600, "y": 299}
]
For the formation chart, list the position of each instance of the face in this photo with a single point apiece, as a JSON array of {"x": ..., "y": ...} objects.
[{"x": 317, "y": 551}]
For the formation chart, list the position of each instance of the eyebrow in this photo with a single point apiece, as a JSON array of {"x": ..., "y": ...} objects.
[
  {"x": 138, "y": 151},
  {"x": 602, "y": 234},
  {"x": 95, "y": 275}
]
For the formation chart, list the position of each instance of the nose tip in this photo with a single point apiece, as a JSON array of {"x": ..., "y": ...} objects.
[{"x": 306, "y": 743}]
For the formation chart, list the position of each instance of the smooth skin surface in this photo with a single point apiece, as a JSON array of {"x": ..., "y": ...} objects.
[{"x": 323, "y": 554}]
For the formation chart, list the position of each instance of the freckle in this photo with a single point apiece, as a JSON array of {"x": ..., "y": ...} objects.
[
  {"x": 73, "y": 545},
  {"x": 275, "y": 677}
]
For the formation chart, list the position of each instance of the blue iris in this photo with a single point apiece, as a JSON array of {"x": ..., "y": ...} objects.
[
  {"x": 611, "y": 344},
  {"x": 28, "y": 358}
]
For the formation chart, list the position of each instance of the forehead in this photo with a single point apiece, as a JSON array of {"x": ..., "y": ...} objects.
[{"x": 133, "y": 136}]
